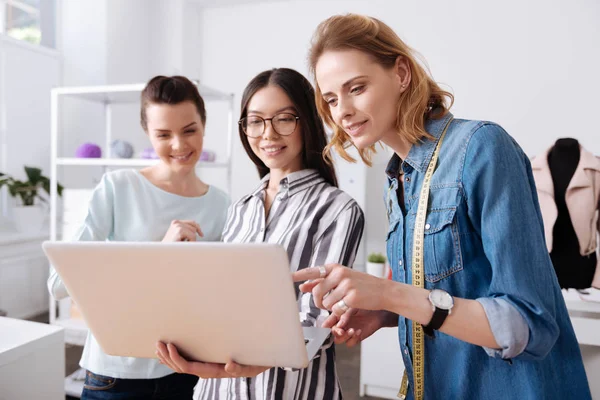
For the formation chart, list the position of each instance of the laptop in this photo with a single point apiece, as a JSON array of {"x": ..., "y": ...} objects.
[{"x": 215, "y": 301}]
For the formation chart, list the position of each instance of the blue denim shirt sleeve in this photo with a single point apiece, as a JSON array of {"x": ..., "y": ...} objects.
[{"x": 504, "y": 210}]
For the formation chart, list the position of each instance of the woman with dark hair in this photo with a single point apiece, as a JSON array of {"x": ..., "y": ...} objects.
[
  {"x": 167, "y": 202},
  {"x": 298, "y": 205}
]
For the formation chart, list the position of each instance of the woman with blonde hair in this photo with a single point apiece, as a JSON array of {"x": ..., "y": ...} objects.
[{"x": 478, "y": 308}]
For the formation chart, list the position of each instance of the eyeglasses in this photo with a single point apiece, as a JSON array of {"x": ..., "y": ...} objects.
[{"x": 283, "y": 124}]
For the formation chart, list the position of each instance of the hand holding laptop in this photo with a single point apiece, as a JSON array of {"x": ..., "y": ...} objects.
[{"x": 168, "y": 355}]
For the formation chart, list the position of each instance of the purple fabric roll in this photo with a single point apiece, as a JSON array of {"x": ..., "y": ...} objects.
[
  {"x": 88, "y": 150},
  {"x": 149, "y": 153},
  {"x": 207, "y": 155}
]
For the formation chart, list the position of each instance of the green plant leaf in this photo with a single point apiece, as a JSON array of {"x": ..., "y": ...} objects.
[
  {"x": 16, "y": 187},
  {"x": 376, "y": 258},
  {"x": 34, "y": 175},
  {"x": 46, "y": 186},
  {"x": 28, "y": 191}
]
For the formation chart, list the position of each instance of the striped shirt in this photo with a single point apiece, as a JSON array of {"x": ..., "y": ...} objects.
[{"x": 318, "y": 224}]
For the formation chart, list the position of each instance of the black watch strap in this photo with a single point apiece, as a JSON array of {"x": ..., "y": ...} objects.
[{"x": 439, "y": 316}]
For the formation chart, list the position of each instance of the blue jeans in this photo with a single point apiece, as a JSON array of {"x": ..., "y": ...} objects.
[{"x": 170, "y": 387}]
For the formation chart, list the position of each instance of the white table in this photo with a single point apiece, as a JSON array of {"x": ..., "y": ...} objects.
[{"x": 32, "y": 360}]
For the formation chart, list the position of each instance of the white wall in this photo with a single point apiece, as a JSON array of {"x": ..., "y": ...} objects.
[
  {"x": 530, "y": 66},
  {"x": 3, "y": 138},
  {"x": 83, "y": 42},
  {"x": 192, "y": 41},
  {"x": 28, "y": 73}
]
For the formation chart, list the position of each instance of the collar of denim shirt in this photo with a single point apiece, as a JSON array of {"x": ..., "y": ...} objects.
[{"x": 420, "y": 153}]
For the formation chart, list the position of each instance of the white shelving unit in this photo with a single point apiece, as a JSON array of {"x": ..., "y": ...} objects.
[{"x": 107, "y": 96}]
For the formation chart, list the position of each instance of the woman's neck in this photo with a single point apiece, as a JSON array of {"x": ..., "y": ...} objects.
[
  {"x": 397, "y": 143},
  {"x": 274, "y": 178}
]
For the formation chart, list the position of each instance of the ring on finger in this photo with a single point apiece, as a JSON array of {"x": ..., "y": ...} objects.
[
  {"x": 342, "y": 305},
  {"x": 322, "y": 272}
]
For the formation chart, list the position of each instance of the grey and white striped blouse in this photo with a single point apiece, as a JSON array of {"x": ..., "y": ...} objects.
[{"x": 318, "y": 224}]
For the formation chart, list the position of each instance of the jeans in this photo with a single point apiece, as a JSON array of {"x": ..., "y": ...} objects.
[{"x": 170, "y": 387}]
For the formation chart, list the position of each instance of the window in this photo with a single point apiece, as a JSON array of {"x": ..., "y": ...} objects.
[{"x": 32, "y": 21}]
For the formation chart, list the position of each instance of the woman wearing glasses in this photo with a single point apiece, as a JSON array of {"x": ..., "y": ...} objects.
[{"x": 298, "y": 205}]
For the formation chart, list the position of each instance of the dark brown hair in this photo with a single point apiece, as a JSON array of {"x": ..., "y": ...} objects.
[
  {"x": 171, "y": 90},
  {"x": 423, "y": 98},
  {"x": 302, "y": 95}
]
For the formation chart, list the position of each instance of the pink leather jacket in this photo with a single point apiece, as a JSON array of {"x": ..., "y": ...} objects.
[{"x": 582, "y": 198}]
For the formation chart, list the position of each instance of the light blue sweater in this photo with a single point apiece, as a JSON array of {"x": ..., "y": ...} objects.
[{"x": 125, "y": 206}]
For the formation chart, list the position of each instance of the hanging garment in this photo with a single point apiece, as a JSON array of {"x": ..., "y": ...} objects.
[{"x": 568, "y": 184}]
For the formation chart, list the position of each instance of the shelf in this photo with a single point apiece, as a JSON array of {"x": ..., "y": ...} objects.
[
  {"x": 126, "y": 162},
  {"x": 115, "y": 94},
  {"x": 75, "y": 330}
]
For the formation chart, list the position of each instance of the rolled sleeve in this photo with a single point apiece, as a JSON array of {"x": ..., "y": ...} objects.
[{"x": 508, "y": 327}]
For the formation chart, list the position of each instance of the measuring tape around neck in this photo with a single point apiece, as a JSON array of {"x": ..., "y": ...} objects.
[{"x": 418, "y": 279}]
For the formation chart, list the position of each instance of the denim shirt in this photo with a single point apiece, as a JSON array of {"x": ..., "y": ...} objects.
[{"x": 484, "y": 240}]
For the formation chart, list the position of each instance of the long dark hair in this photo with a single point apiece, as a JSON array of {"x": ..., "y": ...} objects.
[
  {"x": 302, "y": 95},
  {"x": 170, "y": 90}
]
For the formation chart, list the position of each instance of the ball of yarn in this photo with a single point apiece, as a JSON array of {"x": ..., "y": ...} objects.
[
  {"x": 88, "y": 150},
  {"x": 207, "y": 155},
  {"x": 121, "y": 149},
  {"x": 149, "y": 153}
]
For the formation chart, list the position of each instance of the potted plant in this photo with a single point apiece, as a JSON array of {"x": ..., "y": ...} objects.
[
  {"x": 376, "y": 265},
  {"x": 29, "y": 216}
]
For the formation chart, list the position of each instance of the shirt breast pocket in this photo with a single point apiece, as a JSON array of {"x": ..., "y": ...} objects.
[{"x": 442, "y": 244}]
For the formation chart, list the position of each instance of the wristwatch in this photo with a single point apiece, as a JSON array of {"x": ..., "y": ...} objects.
[{"x": 441, "y": 303}]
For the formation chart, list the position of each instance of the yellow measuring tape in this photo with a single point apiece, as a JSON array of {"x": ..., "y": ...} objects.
[{"x": 418, "y": 279}]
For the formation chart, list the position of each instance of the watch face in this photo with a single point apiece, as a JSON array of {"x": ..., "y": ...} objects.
[{"x": 441, "y": 299}]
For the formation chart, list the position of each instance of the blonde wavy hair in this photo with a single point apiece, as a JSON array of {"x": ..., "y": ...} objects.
[{"x": 422, "y": 99}]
